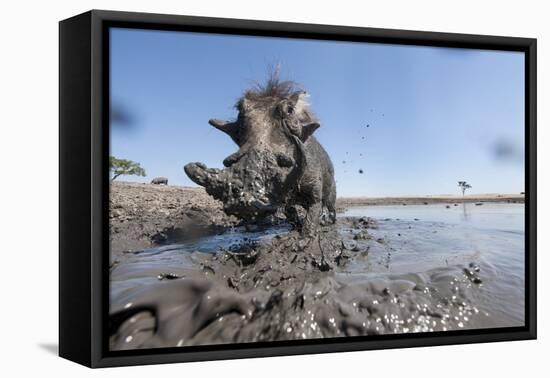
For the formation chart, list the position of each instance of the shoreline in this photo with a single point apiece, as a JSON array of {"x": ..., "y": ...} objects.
[
  {"x": 351, "y": 201},
  {"x": 343, "y": 202}
]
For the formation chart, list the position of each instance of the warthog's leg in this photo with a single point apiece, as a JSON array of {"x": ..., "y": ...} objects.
[
  {"x": 331, "y": 212},
  {"x": 293, "y": 216},
  {"x": 311, "y": 224}
]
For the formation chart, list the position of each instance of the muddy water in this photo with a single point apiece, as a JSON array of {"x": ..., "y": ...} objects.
[
  {"x": 138, "y": 270},
  {"x": 426, "y": 237},
  {"x": 409, "y": 268}
]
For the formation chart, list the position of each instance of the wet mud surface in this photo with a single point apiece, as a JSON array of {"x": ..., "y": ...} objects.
[{"x": 362, "y": 276}]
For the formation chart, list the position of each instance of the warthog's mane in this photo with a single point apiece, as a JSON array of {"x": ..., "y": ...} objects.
[{"x": 274, "y": 90}]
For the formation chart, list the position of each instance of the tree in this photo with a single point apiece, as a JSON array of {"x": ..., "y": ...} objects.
[
  {"x": 123, "y": 167},
  {"x": 463, "y": 185}
]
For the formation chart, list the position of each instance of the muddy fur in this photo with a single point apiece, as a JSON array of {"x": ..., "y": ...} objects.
[{"x": 279, "y": 164}]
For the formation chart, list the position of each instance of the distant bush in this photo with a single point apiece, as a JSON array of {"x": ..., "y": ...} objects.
[
  {"x": 463, "y": 185},
  {"x": 123, "y": 167}
]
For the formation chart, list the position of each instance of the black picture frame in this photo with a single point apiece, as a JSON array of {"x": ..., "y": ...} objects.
[{"x": 84, "y": 187}]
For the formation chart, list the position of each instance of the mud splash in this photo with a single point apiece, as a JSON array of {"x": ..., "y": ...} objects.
[{"x": 284, "y": 287}]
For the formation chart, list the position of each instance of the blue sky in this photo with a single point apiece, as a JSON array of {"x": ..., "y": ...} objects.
[{"x": 435, "y": 115}]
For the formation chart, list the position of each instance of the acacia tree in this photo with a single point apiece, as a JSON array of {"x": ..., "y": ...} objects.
[
  {"x": 123, "y": 167},
  {"x": 463, "y": 185}
]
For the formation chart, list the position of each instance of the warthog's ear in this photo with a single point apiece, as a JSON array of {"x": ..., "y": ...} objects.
[
  {"x": 298, "y": 102},
  {"x": 230, "y": 128},
  {"x": 308, "y": 129},
  {"x": 298, "y": 106}
]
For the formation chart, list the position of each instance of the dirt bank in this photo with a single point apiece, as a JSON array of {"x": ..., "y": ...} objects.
[
  {"x": 145, "y": 215},
  {"x": 344, "y": 202}
]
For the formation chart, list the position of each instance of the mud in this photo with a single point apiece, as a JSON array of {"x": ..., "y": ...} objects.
[{"x": 280, "y": 286}]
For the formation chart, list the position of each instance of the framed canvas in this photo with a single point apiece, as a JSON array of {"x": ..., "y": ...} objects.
[{"x": 356, "y": 188}]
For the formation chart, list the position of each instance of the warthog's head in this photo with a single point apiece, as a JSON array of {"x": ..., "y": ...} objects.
[{"x": 273, "y": 123}]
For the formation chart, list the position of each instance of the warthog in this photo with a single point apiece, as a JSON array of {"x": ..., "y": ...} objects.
[
  {"x": 279, "y": 163},
  {"x": 159, "y": 181}
]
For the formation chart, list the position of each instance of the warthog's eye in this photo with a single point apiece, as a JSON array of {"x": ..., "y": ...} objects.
[
  {"x": 284, "y": 161},
  {"x": 289, "y": 109},
  {"x": 285, "y": 109}
]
